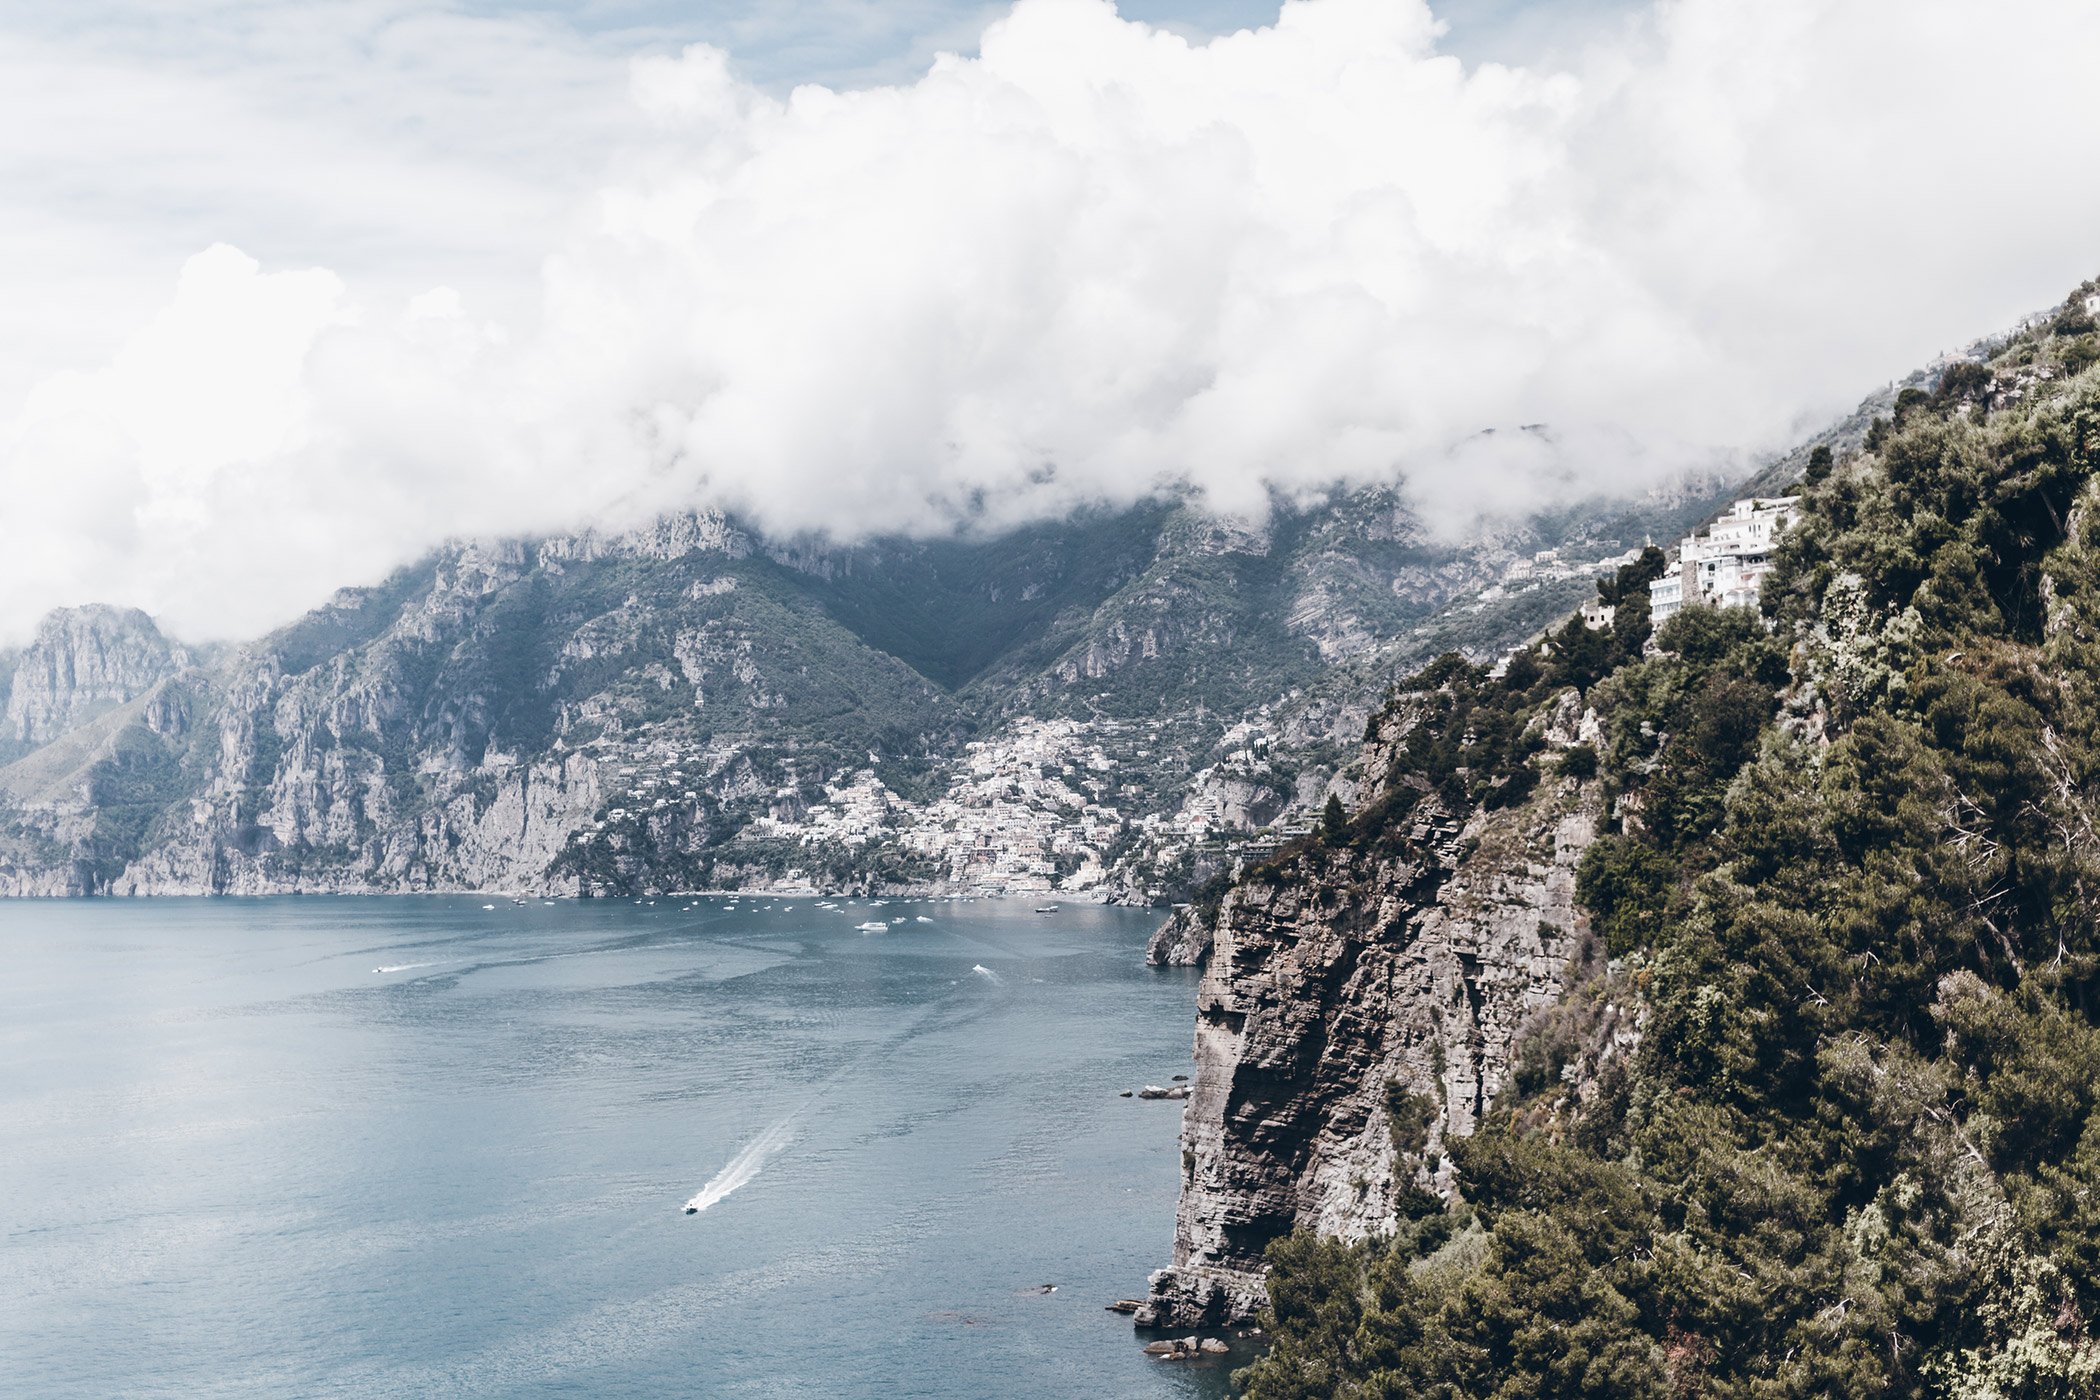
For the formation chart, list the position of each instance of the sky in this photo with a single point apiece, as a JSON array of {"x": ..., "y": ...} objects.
[{"x": 296, "y": 291}]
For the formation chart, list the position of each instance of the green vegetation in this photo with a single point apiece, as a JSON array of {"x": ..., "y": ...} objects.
[
  {"x": 952, "y": 609},
  {"x": 1820, "y": 465},
  {"x": 1408, "y": 1116},
  {"x": 1853, "y": 886}
]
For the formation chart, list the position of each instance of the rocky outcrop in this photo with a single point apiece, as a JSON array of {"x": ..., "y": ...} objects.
[
  {"x": 1182, "y": 941},
  {"x": 1187, "y": 1348},
  {"x": 1345, "y": 985},
  {"x": 83, "y": 662}
]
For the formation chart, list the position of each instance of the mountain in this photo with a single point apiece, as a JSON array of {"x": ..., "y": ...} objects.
[
  {"x": 1704, "y": 1011},
  {"x": 82, "y": 663},
  {"x": 1117, "y": 705}
]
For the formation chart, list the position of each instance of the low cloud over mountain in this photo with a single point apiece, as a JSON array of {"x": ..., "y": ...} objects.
[{"x": 1099, "y": 261}]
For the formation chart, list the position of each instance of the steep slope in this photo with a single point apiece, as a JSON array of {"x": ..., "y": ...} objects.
[
  {"x": 954, "y": 609},
  {"x": 461, "y": 725},
  {"x": 1365, "y": 987},
  {"x": 1116, "y": 705},
  {"x": 82, "y": 663},
  {"x": 1353, "y": 994},
  {"x": 1800, "y": 1093}
]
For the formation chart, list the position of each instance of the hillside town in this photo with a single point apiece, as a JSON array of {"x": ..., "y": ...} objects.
[
  {"x": 1546, "y": 566},
  {"x": 1047, "y": 805},
  {"x": 1025, "y": 813}
]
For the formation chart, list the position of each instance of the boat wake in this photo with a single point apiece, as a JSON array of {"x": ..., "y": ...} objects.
[
  {"x": 748, "y": 1162},
  {"x": 744, "y": 1166}
]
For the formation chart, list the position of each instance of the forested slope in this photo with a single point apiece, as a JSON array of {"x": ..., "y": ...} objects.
[{"x": 1848, "y": 890}]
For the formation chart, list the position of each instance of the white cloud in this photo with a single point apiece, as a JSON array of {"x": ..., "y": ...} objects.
[
  {"x": 1098, "y": 261},
  {"x": 397, "y": 141}
]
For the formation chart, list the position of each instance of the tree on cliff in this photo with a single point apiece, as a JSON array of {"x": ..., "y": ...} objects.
[
  {"x": 1820, "y": 463},
  {"x": 1855, "y": 893}
]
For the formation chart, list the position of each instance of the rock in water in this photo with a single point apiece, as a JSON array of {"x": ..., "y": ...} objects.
[{"x": 1185, "y": 1348}]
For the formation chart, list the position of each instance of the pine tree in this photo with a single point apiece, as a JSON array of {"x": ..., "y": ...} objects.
[{"x": 1334, "y": 821}]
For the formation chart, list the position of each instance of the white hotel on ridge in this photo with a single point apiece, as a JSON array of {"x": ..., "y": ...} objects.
[{"x": 1726, "y": 565}]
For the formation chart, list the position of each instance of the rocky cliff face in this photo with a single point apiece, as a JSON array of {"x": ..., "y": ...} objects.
[
  {"x": 1106, "y": 707},
  {"x": 1184, "y": 940},
  {"x": 83, "y": 662},
  {"x": 459, "y": 728},
  {"x": 1360, "y": 1006}
]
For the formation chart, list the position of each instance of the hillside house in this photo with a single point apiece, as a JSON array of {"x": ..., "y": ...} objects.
[{"x": 1726, "y": 566}]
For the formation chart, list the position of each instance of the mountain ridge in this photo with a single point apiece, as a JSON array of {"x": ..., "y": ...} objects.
[{"x": 485, "y": 718}]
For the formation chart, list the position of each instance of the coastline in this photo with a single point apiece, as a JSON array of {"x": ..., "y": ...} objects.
[{"x": 1086, "y": 897}]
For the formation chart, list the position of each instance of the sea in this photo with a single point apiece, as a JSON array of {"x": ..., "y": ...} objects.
[{"x": 472, "y": 1147}]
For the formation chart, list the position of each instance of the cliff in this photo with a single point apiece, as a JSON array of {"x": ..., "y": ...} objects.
[
  {"x": 82, "y": 663},
  {"x": 1347, "y": 984},
  {"x": 1715, "y": 1012},
  {"x": 1369, "y": 997},
  {"x": 1185, "y": 939}
]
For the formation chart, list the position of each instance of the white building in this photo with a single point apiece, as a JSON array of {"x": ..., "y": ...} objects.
[{"x": 1726, "y": 566}]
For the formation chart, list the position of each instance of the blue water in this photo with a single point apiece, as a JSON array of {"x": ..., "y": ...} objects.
[{"x": 419, "y": 1148}]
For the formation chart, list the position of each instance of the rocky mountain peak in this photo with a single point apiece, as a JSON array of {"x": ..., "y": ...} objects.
[{"x": 82, "y": 662}]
